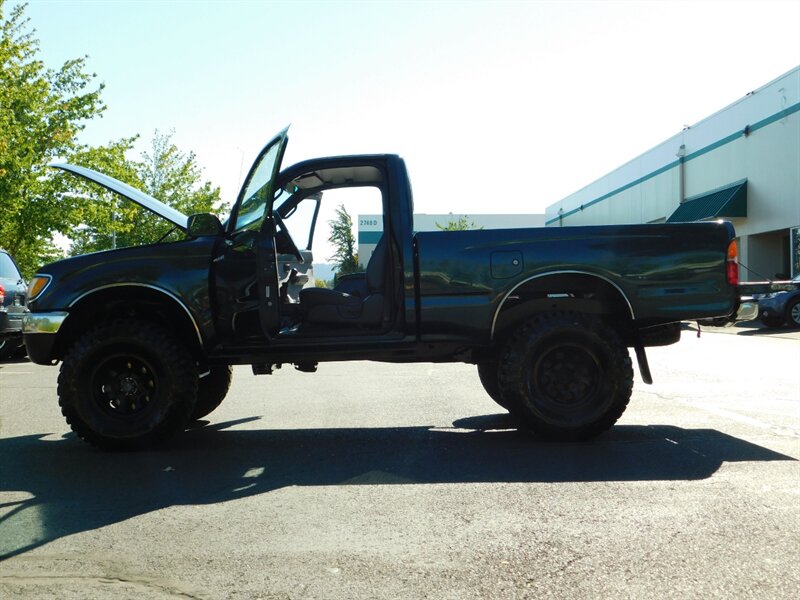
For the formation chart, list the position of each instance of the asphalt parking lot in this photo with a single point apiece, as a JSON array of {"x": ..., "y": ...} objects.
[{"x": 370, "y": 480}]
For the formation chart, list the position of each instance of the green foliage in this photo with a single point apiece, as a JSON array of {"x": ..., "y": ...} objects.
[
  {"x": 101, "y": 217},
  {"x": 462, "y": 224},
  {"x": 165, "y": 172},
  {"x": 41, "y": 113},
  {"x": 345, "y": 257},
  {"x": 320, "y": 283}
]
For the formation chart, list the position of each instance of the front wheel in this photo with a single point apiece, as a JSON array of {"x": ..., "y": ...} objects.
[
  {"x": 126, "y": 384},
  {"x": 569, "y": 374},
  {"x": 10, "y": 348},
  {"x": 212, "y": 390},
  {"x": 793, "y": 313}
]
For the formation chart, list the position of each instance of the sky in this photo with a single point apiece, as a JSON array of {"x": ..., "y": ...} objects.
[{"x": 496, "y": 107}]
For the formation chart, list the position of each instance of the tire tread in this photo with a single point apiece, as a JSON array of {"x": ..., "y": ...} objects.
[
  {"x": 182, "y": 395},
  {"x": 512, "y": 376}
]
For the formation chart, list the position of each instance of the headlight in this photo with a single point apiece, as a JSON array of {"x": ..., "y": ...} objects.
[{"x": 37, "y": 285}]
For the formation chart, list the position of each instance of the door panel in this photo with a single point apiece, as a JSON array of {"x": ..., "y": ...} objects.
[
  {"x": 233, "y": 271},
  {"x": 268, "y": 279}
]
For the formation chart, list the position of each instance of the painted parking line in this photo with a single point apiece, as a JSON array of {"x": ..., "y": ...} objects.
[{"x": 734, "y": 416}]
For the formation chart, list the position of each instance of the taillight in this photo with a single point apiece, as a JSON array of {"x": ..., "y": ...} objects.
[
  {"x": 732, "y": 266},
  {"x": 2, "y": 295}
]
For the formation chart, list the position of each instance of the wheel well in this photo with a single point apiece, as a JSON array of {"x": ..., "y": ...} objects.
[
  {"x": 576, "y": 292},
  {"x": 129, "y": 302}
]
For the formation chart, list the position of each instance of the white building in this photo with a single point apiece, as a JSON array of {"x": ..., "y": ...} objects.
[
  {"x": 370, "y": 227},
  {"x": 741, "y": 164}
]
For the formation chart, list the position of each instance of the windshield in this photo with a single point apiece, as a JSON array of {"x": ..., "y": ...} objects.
[{"x": 8, "y": 269}]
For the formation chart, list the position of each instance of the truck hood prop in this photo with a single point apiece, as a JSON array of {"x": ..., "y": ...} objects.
[{"x": 155, "y": 206}]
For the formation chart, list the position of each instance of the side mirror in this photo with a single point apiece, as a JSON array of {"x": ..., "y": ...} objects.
[{"x": 204, "y": 224}]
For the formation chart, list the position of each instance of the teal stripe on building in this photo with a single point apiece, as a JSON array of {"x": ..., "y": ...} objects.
[
  {"x": 721, "y": 142},
  {"x": 369, "y": 237}
]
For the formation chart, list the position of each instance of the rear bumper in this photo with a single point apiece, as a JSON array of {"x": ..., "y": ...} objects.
[
  {"x": 40, "y": 333},
  {"x": 747, "y": 311},
  {"x": 10, "y": 324}
]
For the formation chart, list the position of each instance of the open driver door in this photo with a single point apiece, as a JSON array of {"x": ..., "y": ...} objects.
[{"x": 253, "y": 213}]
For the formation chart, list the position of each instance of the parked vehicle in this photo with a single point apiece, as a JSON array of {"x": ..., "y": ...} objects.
[
  {"x": 546, "y": 314},
  {"x": 12, "y": 306},
  {"x": 780, "y": 304}
]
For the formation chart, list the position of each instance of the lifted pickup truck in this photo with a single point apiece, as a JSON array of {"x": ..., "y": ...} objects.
[{"x": 147, "y": 335}]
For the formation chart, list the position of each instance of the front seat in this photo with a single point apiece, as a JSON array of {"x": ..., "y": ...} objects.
[{"x": 356, "y": 299}]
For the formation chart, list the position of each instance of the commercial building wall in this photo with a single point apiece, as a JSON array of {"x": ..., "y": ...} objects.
[{"x": 756, "y": 139}]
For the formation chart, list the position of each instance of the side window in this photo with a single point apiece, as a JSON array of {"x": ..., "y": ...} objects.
[
  {"x": 362, "y": 207},
  {"x": 340, "y": 217}
]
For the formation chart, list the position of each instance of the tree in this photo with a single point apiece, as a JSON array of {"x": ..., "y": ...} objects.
[
  {"x": 173, "y": 177},
  {"x": 164, "y": 172},
  {"x": 102, "y": 219},
  {"x": 41, "y": 113},
  {"x": 462, "y": 224},
  {"x": 345, "y": 257}
]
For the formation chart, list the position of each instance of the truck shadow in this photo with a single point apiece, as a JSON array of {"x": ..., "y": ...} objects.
[
  {"x": 53, "y": 488},
  {"x": 784, "y": 331}
]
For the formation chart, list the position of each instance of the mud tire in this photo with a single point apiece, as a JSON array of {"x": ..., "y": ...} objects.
[
  {"x": 568, "y": 375},
  {"x": 127, "y": 384},
  {"x": 487, "y": 373},
  {"x": 211, "y": 390}
]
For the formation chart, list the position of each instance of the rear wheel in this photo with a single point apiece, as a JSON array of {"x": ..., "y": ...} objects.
[
  {"x": 569, "y": 374},
  {"x": 126, "y": 384},
  {"x": 487, "y": 373}
]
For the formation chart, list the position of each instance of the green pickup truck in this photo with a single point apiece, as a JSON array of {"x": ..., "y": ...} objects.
[{"x": 147, "y": 335}]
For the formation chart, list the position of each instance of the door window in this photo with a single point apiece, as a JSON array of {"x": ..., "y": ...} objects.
[{"x": 256, "y": 195}]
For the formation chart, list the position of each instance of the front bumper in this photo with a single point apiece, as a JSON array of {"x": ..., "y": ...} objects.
[{"x": 39, "y": 332}]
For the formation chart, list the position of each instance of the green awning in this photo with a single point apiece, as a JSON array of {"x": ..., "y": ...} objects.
[{"x": 728, "y": 201}]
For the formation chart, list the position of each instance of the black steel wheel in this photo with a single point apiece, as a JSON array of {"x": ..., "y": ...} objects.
[
  {"x": 569, "y": 375},
  {"x": 127, "y": 384},
  {"x": 212, "y": 389}
]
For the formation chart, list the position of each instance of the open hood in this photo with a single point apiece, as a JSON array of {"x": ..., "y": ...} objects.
[{"x": 175, "y": 217}]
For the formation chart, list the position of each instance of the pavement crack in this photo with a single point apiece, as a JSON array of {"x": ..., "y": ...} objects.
[{"x": 150, "y": 583}]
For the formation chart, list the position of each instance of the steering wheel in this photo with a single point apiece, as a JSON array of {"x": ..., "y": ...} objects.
[{"x": 293, "y": 249}]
